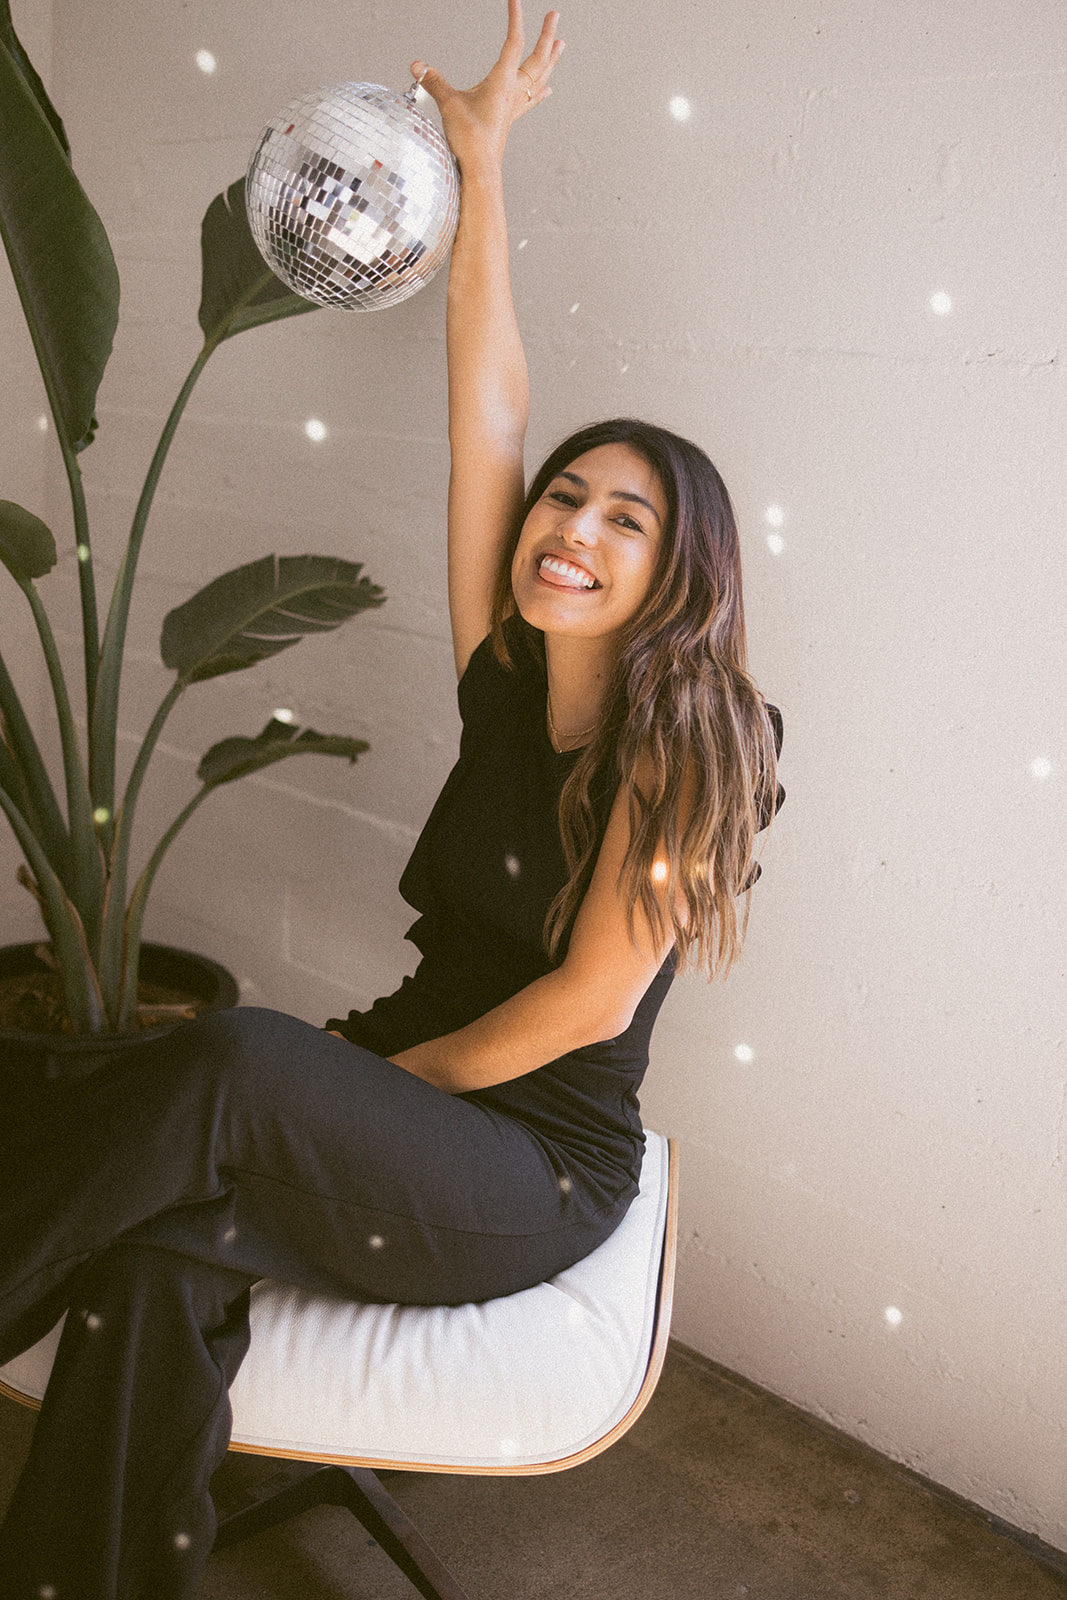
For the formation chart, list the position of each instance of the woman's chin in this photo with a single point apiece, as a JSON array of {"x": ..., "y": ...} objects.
[
  {"x": 548, "y": 615},
  {"x": 559, "y": 622},
  {"x": 548, "y": 608}
]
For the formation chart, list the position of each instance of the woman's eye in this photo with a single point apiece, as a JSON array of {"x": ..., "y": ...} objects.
[
  {"x": 628, "y": 522},
  {"x": 563, "y": 497}
]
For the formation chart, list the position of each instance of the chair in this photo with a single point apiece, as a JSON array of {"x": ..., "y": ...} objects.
[{"x": 534, "y": 1382}]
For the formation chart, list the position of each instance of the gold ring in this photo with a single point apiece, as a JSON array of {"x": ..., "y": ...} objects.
[{"x": 533, "y": 81}]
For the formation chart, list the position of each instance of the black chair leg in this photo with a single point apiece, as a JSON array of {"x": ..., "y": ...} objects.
[{"x": 360, "y": 1490}]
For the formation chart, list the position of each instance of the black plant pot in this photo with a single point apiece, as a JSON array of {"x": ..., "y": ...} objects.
[{"x": 27, "y": 1057}]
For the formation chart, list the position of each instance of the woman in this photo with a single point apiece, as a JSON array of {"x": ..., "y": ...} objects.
[{"x": 478, "y": 1130}]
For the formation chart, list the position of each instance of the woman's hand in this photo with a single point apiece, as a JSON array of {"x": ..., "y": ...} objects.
[{"x": 477, "y": 121}]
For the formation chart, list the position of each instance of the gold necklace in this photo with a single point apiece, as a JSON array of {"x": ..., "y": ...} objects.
[{"x": 555, "y": 736}]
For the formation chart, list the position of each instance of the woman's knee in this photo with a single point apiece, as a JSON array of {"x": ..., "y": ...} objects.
[
  {"x": 241, "y": 1038},
  {"x": 250, "y": 1053},
  {"x": 137, "y": 1271}
]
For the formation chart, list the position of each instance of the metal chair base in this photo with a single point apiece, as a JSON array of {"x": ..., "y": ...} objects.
[{"x": 360, "y": 1490}]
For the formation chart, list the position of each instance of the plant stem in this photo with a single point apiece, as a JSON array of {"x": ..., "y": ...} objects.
[
  {"x": 86, "y": 577},
  {"x": 87, "y": 857},
  {"x": 70, "y": 946},
  {"x": 114, "y": 944},
  {"x": 104, "y": 720},
  {"x": 138, "y": 900}
]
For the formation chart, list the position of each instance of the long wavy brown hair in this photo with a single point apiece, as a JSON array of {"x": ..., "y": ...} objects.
[{"x": 685, "y": 729}]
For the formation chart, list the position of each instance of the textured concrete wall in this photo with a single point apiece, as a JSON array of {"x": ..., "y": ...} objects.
[{"x": 872, "y": 1110}]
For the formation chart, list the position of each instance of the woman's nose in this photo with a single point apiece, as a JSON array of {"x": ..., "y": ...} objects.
[{"x": 580, "y": 526}]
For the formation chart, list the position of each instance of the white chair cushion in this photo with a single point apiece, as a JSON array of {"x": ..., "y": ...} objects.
[{"x": 530, "y": 1379}]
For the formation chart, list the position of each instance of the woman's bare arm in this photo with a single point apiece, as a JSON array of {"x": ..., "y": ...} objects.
[
  {"x": 488, "y": 395},
  {"x": 591, "y": 996}
]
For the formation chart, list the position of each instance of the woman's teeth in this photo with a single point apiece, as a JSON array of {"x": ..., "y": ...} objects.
[{"x": 564, "y": 569}]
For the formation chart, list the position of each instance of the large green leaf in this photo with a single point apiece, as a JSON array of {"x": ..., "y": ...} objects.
[
  {"x": 9, "y": 38},
  {"x": 59, "y": 254},
  {"x": 237, "y": 757},
  {"x": 238, "y": 288},
  {"x": 258, "y": 610},
  {"x": 27, "y": 547}
]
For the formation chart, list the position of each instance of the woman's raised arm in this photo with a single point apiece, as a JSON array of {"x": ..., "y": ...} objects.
[{"x": 488, "y": 393}]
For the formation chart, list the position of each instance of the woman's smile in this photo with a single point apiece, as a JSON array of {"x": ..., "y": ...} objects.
[{"x": 565, "y": 574}]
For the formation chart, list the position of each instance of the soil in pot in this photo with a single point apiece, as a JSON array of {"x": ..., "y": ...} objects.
[{"x": 36, "y": 1035}]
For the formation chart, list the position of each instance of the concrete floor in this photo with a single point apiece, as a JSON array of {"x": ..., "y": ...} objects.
[{"x": 718, "y": 1492}]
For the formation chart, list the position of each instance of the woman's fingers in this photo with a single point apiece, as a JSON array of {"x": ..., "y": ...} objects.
[
  {"x": 536, "y": 70},
  {"x": 512, "y": 87},
  {"x": 546, "y": 50},
  {"x": 516, "y": 36},
  {"x": 435, "y": 83}
]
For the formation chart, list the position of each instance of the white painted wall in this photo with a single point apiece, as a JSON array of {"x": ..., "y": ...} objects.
[{"x": 759, "y": 276}]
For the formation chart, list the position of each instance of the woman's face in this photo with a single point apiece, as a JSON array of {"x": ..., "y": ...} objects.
[{"x": 589, "y": 546}]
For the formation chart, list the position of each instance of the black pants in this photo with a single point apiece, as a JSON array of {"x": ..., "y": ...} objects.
[{"x": 148, "y": 1199}]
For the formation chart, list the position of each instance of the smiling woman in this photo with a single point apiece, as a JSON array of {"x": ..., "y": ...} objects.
[{"x": 479, "y": 1130}]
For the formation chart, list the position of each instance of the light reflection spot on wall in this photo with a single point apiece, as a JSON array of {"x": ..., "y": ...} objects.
[
  {"x": 42, "y": 424},
  {"x": 283, "y": 714},
  {"x": 206, "y": 61},
  {"x": 315, "y": 429},
  {"x": 1041, "y": 767},
  {"x": 894, "y": 1316},
  {"x": 82, "y": 552},
  {"x": 941, "y": 303},
  {"x": 513, "y": 865},
  {"x": 774, "y": 516},
  {"x": 775, "y": 544},
  {"x": 744, "y": 1052},
  {"x": 680, "y": 108}
]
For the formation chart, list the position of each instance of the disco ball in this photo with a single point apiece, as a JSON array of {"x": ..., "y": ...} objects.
[{"x": 353, "y": 196}]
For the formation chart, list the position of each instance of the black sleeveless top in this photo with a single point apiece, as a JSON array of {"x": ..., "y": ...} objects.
[{"x": 482, "y": 876}]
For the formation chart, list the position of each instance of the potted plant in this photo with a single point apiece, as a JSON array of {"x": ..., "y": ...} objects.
[{"x": 77, "y": 849}]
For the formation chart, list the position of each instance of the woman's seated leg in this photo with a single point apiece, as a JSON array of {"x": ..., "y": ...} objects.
[{"x": 114, "y": 1498}]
